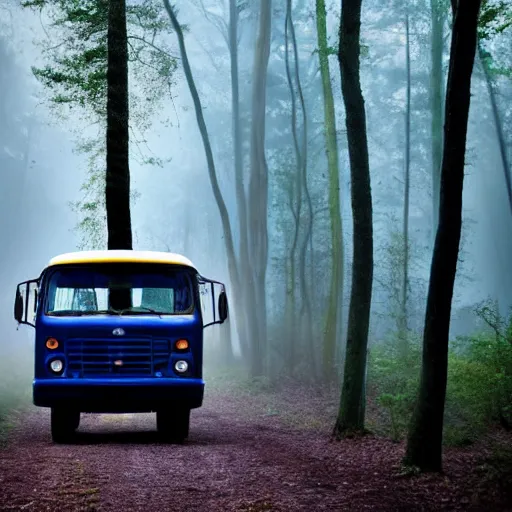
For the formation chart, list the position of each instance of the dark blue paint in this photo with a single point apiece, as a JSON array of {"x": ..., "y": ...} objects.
[{"x": 90, "y": 381}]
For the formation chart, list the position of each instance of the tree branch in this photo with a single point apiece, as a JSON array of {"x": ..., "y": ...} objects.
[{"x": 154, "y": 46}]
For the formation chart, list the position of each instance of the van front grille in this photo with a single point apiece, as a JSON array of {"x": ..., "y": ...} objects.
[{"x": 116, "y": 358}]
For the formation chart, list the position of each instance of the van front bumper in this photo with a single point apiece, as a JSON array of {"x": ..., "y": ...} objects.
[{"x": 123, "y": 395}]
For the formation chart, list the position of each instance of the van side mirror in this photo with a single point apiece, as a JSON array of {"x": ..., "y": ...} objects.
[
  {"x": 25, "y": 292},
  {"x": 18, "y": 306},
  {"x": 223, "y": 306},
  {"x": 222, "y": 301}
]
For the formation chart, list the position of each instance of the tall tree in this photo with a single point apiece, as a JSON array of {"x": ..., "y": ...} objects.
[
  {"x": 212, "y": 171},
  {"x": 331, "y": 147},
  {"x": 424, "y": 443},
  {"x": 243, "y": 254},
  {"x": 351, "y": 410},
  {"x": 438, "y": 13},
  {"x": 405, "y": 220},
  {"x": 303, "y": 328},
  {"x": 296, "y": 200},
  {"x": 230, "y": 34},
  {"x": 485, "y": 61},
  {"x": 258, "y": 187},
  {"x": 76, "y": 51},
  {"x": 118, "y": 170},
  {"x": 495, "y": 18}
]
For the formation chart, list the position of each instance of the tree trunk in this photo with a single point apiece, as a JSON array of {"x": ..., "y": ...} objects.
[
  {"x": 295, "y": 206},
  {"x": 405, "y": 271},
  {"x": 258, "y": 190},
  {"x": 331, "y": 146},
  {"x": 424, "y": 443},
  {"x": 118, "y": 170},
  {"x": 246, "y": 308},
  {"x": 436, "y": 104},
  {"x": 351, "y": 411},
  {"x": 305, "y": 322},
  {"x": 221, "y": 205},
  {"x": 484, "y": 60}
]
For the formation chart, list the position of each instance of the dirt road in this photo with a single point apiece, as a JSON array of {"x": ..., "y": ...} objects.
[{"x": 238, "y": 458}]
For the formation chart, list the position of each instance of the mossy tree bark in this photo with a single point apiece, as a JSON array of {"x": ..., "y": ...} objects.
[
  {"x": 424, "y": 443},
  {"x": 351, "y": 411},
  {"x": 337, "y": 254}
]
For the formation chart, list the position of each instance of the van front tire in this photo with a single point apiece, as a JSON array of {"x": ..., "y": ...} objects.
[
  {"x": 64, "y": 424},
  {"x": 173, "y": 426}
]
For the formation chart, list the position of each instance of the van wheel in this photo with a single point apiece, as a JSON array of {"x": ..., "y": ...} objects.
[
  {"x": 63, "y": 424},
  {"x": 173, "y": 426}
]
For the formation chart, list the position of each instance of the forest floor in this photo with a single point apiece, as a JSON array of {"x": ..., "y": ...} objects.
[{"x": 247, "y": 451}]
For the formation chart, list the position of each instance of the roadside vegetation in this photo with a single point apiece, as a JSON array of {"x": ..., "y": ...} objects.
[{"x": 479, "y": 391}]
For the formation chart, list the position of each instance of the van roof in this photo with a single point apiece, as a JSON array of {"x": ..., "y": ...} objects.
[{"x": 121, "y": 256}]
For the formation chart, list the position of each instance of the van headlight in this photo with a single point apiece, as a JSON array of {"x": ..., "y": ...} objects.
[
  {"x": 181, "y": 366},
  {"x": 57, "y": 365}
]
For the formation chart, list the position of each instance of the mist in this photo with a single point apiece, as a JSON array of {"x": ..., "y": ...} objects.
[
  {"x": 174, "y": 209},
  {"x": 52, "y": 163},
  {"x": 279, "y": 233}
]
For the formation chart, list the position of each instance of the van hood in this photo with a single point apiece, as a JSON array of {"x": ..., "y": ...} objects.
[{"x": 116, "y": 326}]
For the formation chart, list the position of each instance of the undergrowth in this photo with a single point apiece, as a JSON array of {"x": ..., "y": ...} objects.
[{"x": 479, "y": 390}]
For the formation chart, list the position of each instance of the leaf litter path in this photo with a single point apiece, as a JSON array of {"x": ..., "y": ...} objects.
[{"x": 237, "y": 458}]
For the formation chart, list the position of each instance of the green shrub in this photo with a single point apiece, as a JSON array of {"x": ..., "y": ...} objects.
[
  {"x": 393, "y": 380},
  {"x": 479, "y": 388}
]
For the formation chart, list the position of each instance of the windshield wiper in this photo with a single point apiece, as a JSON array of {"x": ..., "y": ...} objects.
[{"x": 134, "y": 311}]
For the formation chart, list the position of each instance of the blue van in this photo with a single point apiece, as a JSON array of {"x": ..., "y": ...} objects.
[{"x": 119, "y": 332}]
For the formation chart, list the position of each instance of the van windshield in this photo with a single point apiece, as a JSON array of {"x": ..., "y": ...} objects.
[{"x": 127, "y": 289}]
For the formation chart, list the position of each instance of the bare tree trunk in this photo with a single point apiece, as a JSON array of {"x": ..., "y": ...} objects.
[
  {"x": 305, "y": 312},
  {"x": 258, "y": 190},
  {"x": 424, "y": 443},
  {"x": 331, "y": 147},
  {"x": 295, "y": 202},
  {"x": 221, "y": 205},
  {"x": 246, "y": 306},
  {"x": 405, "y": 271},
  {"x": 436, "y": 103},
  {"x": 484, "y": 60},
  {"x": 351, "y": 411},
  {"x": 117, "y": 189},
  {"x": 118, "y": 170}
]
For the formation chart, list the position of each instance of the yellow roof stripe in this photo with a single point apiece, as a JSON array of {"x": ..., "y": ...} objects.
[{"x": 121, "y": 256}]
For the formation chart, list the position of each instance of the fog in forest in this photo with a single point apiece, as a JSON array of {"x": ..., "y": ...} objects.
[{"x": 46, "y": 210}]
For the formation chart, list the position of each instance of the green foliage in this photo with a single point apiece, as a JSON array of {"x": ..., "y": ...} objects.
[
  {"x": 495, "y": 18},
  {"x": 479, "y": 391},
  {"x": 77, "y": 73},
  {"x": 393, "y": 378},
  {"x": 76, "y": 76}
]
